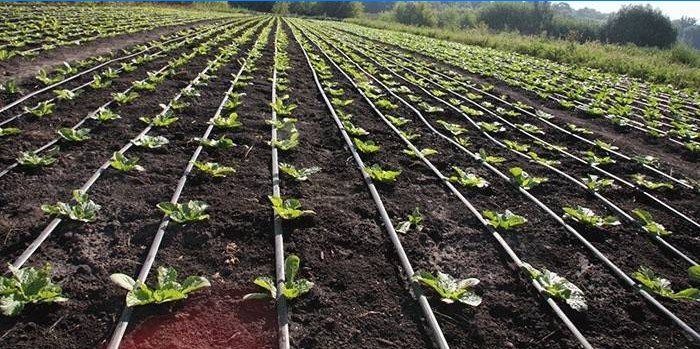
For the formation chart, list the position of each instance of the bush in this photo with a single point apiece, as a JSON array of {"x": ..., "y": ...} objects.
[
  {"x": 415, "y": 13},
  {"x": 641, "y": 25}
]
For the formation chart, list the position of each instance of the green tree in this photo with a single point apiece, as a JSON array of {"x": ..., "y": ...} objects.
[
  {"x": 641, "y": 25},
  {"x": 415, "y": 13}
]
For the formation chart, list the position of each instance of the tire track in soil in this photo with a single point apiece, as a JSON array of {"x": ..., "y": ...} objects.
[
  {"x": 84, "y": 255},
  {"x": 543, "y": 243}
]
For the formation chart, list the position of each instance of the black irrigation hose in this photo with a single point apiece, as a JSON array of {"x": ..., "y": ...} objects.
[
  {"x": 616, "y": 270},
  {"x": 555, "y": 307},
  {"x": 433, "y": 325},
  {"x": 52, "y": 86},
  {"x": 596, "y": 194},
  {"x": 280, "y": 300}
]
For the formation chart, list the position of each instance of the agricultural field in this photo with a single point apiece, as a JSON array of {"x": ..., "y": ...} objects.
[{"x": 175, "y": 178}]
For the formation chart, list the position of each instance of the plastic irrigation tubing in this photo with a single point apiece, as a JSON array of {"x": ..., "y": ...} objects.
[
  {"x": 75, "y": 127},
  {"x": 118, "y": 70},
  {"x": 555, "y": 307},
  {"x": 52, "y": 86},
  {"x": 616, "y": 270},
  {"x": 602, "y": 171},
  {"x": 29, "y": 251},
  {"x": 430, "y": 319},
  {"x": 120, "y": 329},
  {"x": 280, "y": 300},
  {"x": 597, "y": 195},
  {"x": 583, "y": 139}
]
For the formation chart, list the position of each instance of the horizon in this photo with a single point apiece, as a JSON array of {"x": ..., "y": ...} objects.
[{"x": 673, "y": 9}]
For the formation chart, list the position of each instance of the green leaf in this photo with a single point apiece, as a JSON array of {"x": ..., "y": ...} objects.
[
  {"x": 192, "y": 211},
  {"x": 586, "y": 216},
  {"x": 288, "y": 209},
  {"x": 449, "y": 288},
  {"x": 366, "y": 147},
  {"x": 558, "y": 287},
  {"x": 378, "y": 174},
  {"x": 506, "y": 221}
]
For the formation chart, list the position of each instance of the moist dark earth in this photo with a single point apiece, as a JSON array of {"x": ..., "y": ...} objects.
[{"x": 361, "y": 296}]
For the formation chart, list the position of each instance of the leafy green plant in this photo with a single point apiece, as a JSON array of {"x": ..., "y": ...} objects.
[
  {"x": 222, "y": 143},
  {"x": 65, "y": 95},
  {"x": 366, "y": 147},
  {"x": 378, "y": 174},
  {"x": 576, "y": 129},
  {"x": 123, "y": 163},
  {"x": 470, "y": 111},
  {"x": 291, "y": 288},
  {"x": 467, "y": 179},
  {"x": 289, "y": 208},
  {"x": 524, "y": 180},
  {"x": 423, "y": 152},
  {"x": 192, "y": 211},
  {"x": 214, "y": 169},
  {"x": 506, "y": 221},
  {"x": 161, "y": 120},
  {"x": 284, "y": 123},
  {"x": 81, "y": 208},
  {"x": 72, "y": 135},
  {"x": 167, "y": 289},
  {"x": 430, "y": 108},
  {"x": 558, "y": 287},
  {"x": 301, "y": 174},
  {"x": 9, "y": 87},
  {"x": 410, "y": 135},
  {"x": 230, "y": 122},
  {"x": 595, "y": 183},
  {"x": 542, "y": 160},
  {"x": 287, "y": 144},
  {"x": 605, "y": 146},
  {"x": 385, "y": 104},
  {"x": 490, "y": 159},
  {"x": 9, "y": 131},
  {"x": 640, "y": 179},
  {"x": 28, "y": 286},
  {"x": 104, "y": 114},
  {"x": 31, "y": 159},
  {"x": 99, "y": 82},
  {"x": 449, "y": 288},
  {"x": 454, "y": 129},
  {"x": 592, "y": 158},
  {"x": 353, "y": 130},
  {"x": 281, "y": 109},
  {"x": 144, "y": 86},
  {"x": 529, "y": 128},
  {"x": 397, "y": 121},
  {"x": 694, "y": 273},
  {"x": 516, "y": 146},
  {"x": 41, "y": 110},
  {"x": 656, "y": 284},
  {"x": 150, "y": 142},
  {"x": 649, "y": 224},
  {"x": 586, "y": 216},
  {"x": 414, "y": 220},
  {"x": 341, "y": 102}
]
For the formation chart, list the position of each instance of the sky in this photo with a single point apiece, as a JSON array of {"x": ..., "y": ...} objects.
[{"x": 673, "y": 9}]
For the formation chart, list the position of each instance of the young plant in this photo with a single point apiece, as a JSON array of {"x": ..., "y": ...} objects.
[
  {"x": 9, "y": 131},
  {"x": 125, "y": 164},
  {"x": 27, "y": 286},
  {"x": 98, "y": 82},
  {"x": 230, "y": 122},
  {"x": 289, "y": 208},
  {"x": 491, "y": 127},
  {"x": 104, "y": 114},
  {"x": 397, "y": 121},
  {"x": 31, "y": 159},
  {"x": 410, "y": 135},
  {"x": 605, "y": 146},
  {"x": 694, "y": 273},
  {"x": 505, "y": 221},
  {"x": 576, "y": 129},
  {"x": 424, "y": 152},
  {"x": 376, "y": 173},
  {"x": 594, "y": 183},
  {"x": 167, "y": 288},
  {"x": 353, "y": 130},
  {"x": 150, "y": 142},
  {"x": 192, "y": 211},
  {"x": 291, "y": 288},
  {"x": 281, "y": 109},
  {"x": 222, "y": 143},
  {"x": 214, "y": 169},
  {"x": 649, "y": 224},
  {"x": 517, "y": 146},
  {"x": 586, "y": 216},
  {"x": 449, "y": 288},
  {"x": 385, "y": 104},
  {"x": 469, "y": 180},
  {"x": 72, "y": 135},
  {"x": 558, "y": 287},
  {"x": 641, "y": 180},
  {"x": 286, "y": 144},
  {"x": 542, "y": 160},
  {"x": 414, "y": 220},
  {"x": 656, "y": 284},
  {"x": 65, "y": 95},
  {"x": 161, "y": 120},
  {"x": 489, "y": 159},
  {"x": 81, "y": 208},
  {"x": 430, "y": 108},
  {"x": 454, "y": 129},
  {"x": 596, "y": 160},
  {"x": 529, "y": 128},
  {"x": 524, "y": 180},
  {"x": 143, "y": 86},
  {"x": 41, "y": 110},
  {"x": 125, "y": 98},
  {"x": 299, "y": 175},
  {"x": 283, "y": 124},
  {"x": 367, "y": 147}
]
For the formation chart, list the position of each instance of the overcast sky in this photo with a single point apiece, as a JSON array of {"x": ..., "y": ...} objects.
[{"x": 673, "y": 9}]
